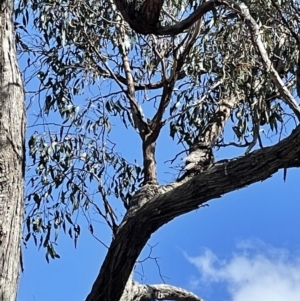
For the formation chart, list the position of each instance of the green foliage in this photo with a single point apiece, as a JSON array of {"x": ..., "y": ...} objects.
[{"x": 75, "y": 53}]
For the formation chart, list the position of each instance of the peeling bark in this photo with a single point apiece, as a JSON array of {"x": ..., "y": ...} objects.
[
  {"x": 182, "y": 197},
  {"x": 12, "y": 129}
]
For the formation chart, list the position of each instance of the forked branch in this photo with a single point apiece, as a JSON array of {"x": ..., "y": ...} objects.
[
  {"x": 178, "y": 62},
  {"x": 142, "y": 25}
]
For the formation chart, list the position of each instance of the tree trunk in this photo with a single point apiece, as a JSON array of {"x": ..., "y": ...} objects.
[{"x": 12, "y": 129}]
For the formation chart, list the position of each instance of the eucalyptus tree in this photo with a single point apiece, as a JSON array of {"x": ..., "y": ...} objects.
[
  {"x": 12, "y": 134},
  {"x": 204, "y": 70}
]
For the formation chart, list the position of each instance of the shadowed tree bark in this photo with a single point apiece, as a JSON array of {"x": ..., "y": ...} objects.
[
  {"x": 143, "y": 15},
  {"x": 12, "y": 131},
  {"x": 140, "y": 14}
]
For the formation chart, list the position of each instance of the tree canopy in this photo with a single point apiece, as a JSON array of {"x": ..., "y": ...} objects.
[{"x": 208, "y": 75}]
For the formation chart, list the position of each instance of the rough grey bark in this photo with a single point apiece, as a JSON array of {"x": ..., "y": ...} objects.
[
  {"x": 12, "y": 129},
  {"x": 182, "y": 197}
]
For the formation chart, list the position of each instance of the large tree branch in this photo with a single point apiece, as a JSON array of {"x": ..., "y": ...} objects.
[
  {"x": 167, "y": 202},
  {"x": 166, "y": 292},
  {"x": 140, "y": 12},
  {"x": 145, "y": 27},
  {"x": 143, "y": 292},
  {"x": 179, "y": 198},
  {"x": 149, "y": 140},
  {"x": 135, "y": 291},
  {"x": 140, "y": 25}
]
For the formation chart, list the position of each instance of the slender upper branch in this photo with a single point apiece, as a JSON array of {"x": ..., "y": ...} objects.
[
  {"x": 179, "y": 59},
  {"x": 137, "y": 86},
  {"x": 256, "y": 37},
  {"x": 139, "y": 120}
]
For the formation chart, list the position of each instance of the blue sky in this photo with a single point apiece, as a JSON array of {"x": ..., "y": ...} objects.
[{"x": 244, "y": 246}]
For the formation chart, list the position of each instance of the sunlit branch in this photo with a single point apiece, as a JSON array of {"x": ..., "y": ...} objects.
[
  {"x": 139, "y": 120},
  {"x": 165, "y": 292},
  {"x": 256, "y": 36}
]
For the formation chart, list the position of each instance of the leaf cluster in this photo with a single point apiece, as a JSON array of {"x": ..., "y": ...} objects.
[{"x": 76, "y": 55}]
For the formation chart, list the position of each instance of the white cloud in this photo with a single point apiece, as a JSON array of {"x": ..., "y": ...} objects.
[{"x": 255, "y": 272}]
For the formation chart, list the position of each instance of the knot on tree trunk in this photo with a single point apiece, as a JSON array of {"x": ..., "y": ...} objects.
[{"x": 142, "y": 15}]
